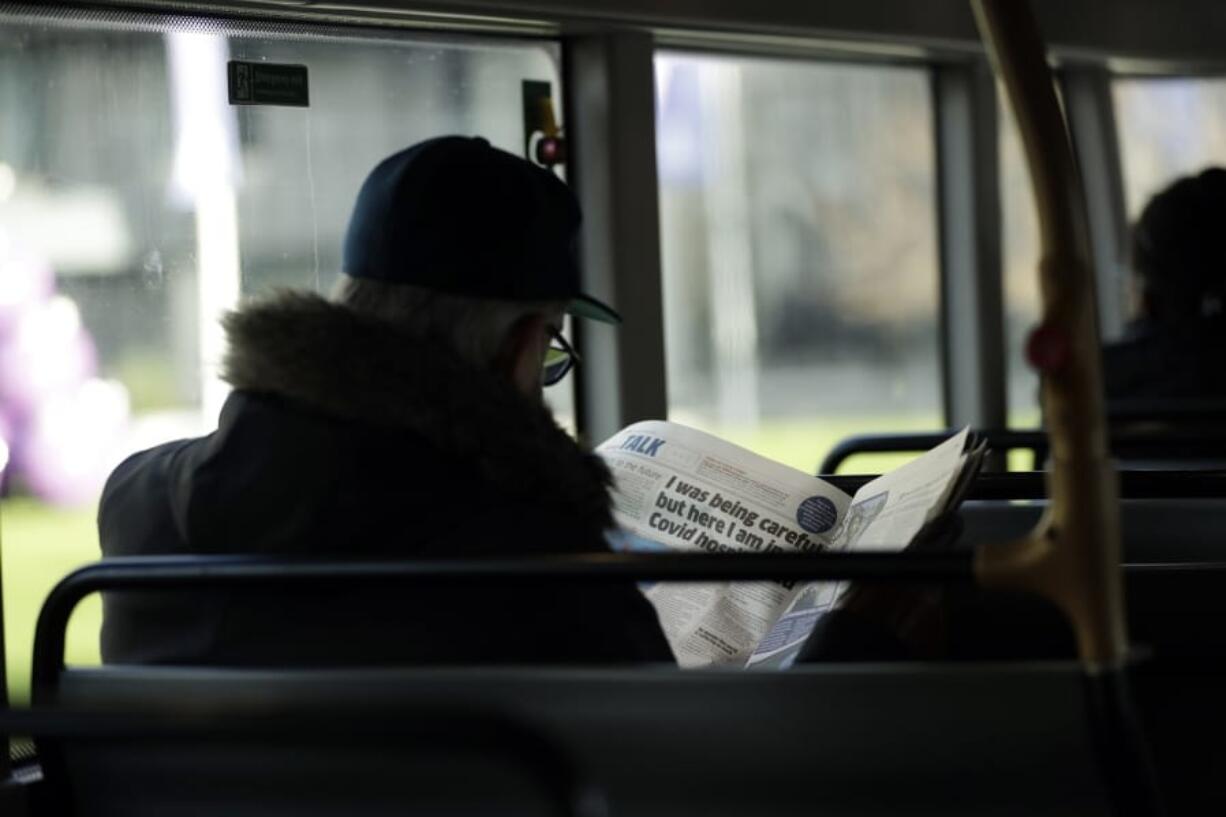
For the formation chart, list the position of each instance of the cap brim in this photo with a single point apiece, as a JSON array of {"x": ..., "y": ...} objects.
[{"x": 585, "y": 306}]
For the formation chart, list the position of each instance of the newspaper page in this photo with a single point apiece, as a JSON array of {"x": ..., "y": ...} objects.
[
  {"x": 682, "y": 489},
  {"x": 885, "y": 514},
  {"x": 892, "y": 509}
]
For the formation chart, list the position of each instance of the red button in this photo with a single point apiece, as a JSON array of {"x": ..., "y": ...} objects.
[
  {"x": 550, "y": 151},
  {"x": 1047, "y": 349}
]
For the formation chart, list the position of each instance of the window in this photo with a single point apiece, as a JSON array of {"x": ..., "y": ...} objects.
[
  {"x": 799, "y": 241},
  {"x": 1168, "y": 127},
  {"x": 1020, "y": 243},
  {"x": 136, "y": 204}
]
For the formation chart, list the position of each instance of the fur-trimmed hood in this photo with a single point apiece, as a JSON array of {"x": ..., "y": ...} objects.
[{"x": 349, "y": 366}]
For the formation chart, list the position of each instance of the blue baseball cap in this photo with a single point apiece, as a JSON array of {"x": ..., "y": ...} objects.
[{"x": 457, "y": 216}]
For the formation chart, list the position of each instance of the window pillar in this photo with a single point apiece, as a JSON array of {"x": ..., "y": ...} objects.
[
  {"x": 972, "y": 302},
  {"x": 610, "y": 119}
]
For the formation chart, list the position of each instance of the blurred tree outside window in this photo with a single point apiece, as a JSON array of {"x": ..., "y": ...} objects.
[
  {"x": 799, "y": 240},
  {"x": 1168, "y": 127},
  {"x": 1020, "y": 245}
]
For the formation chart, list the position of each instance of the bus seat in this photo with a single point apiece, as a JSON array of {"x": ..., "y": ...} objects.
[
  {"x": 819, "y": 738},
  {"x": 1175, "y": 568},
  {"x": 1137, "y": 445},
  {"x": 1153, "y": 530},
  {"x": 1175, "y": 595},
  {"x": 850, "y": 740},
  {"x": 1017, "y": 485}
]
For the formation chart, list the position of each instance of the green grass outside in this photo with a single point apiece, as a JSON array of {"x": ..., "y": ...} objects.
[
  {"x": 39, "y": 543},
  {"x": 803, "y": 443}
]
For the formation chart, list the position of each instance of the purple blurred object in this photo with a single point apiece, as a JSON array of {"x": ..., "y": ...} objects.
[
  {"x": 71, "y": 442},
  {"x": 58, "y": 422},
  {"x": 6, "y": 434},
  {"x": 46, "y": 352},
  {"x": 25, "y": 280}
]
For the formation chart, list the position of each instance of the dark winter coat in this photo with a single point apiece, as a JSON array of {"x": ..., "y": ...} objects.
[
  {"x": 346, "y": 438},
  {"x": 1167, "y": 365}
]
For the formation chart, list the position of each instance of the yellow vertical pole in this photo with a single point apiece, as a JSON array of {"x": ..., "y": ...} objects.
[{"x": 1073, "y": 556}]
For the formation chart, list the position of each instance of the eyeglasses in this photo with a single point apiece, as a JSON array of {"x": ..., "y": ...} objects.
[{"x": 560, "y": 358}]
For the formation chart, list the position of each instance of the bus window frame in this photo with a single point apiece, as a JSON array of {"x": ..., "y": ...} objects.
[{"x": 603, "y": 66}]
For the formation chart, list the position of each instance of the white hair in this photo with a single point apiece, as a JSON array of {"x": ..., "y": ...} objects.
[{"x": 474, "y": 327}]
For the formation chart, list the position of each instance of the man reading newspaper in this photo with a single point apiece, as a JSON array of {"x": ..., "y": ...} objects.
[{"x": 682, "y": 489}]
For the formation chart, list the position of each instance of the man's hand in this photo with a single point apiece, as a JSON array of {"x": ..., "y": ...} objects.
[{"x": 914, "y": 614}]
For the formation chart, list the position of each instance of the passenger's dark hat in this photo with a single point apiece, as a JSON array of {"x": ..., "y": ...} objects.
[{"x": 455, "y": 215}]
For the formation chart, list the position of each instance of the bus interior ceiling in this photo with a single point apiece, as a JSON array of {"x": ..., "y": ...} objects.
[{"x": 816, "y": 220}]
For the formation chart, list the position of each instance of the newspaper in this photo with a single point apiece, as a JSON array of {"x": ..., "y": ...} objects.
[{"x": 682, "y": 489}]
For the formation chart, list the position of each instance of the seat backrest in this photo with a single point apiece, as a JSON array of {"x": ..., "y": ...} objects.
[
  {"x": 817, "y": 740},
  {"x": 1194, "y": 442},
  {"x": 1175, "y": 569},
  {"x": 1153, "y": 530}
]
